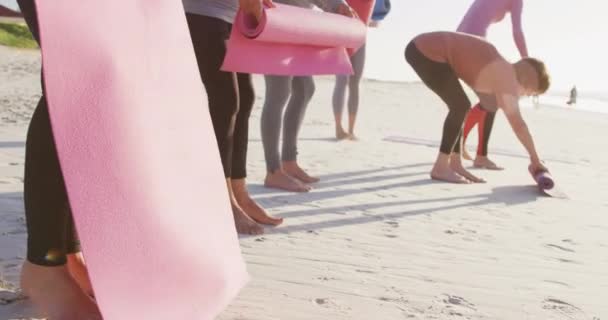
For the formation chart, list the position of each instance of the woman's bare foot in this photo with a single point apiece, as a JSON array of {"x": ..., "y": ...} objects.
[
  {"x": 280, "y": 180},
  {"x": 292, "y": 169},
  {"x": 244, "y": 224},
  {"x": 251, "y": 208},
  {"x": 443, "y": 172},
  {"x": 456, "y": 165},
  {"x": 78, "y": 271},
  {"x": 352, "y": 137},
  {"x": 447, "y": 175},
  {"x": 483, "y": 162},
  {"x": 341, "y": 134},
  {"x": 56, "y": 293},
  {"x": 466, "y": 155}
]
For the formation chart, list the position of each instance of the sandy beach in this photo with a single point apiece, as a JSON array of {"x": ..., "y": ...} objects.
[{"x": 376, "y": 238}]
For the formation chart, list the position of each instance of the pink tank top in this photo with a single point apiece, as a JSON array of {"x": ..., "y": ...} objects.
[{"x": 482, "y": 14}]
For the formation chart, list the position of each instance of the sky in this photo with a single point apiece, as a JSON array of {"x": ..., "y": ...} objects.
[{"x": 570, "y": 36}]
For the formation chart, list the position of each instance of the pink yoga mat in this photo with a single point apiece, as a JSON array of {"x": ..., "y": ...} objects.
[
  {"x": 139, "y": 157},
  {"x": 543, "y": 179},
  {"x": 293, "y": 41}
]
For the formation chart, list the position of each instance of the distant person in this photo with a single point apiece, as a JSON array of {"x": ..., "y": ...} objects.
[
  {"x": 573, "y": 96},
  {"x": 363, "y": 8},
  {"x": 477, "y": 21},
  {"x": 441, "y": 59}
]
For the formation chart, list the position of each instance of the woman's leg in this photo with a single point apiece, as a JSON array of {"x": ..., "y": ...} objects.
[
  {"x": 209, "y": 37},
  {"x": 338, "y": 101},
  {"x": 278, "y": 91},
  {"x": 303, "y": 88},
  {"x": 358, "y": 62},
  {"x": 239, "y": 155},
  {"x": 45, "y": 276}
]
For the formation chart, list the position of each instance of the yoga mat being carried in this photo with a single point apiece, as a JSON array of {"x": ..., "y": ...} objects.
[
  {"x": 296, "y": 41},
  {"x": 139, "y": 157}
]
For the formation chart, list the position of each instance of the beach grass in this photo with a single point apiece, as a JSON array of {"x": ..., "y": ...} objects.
[{"x": 16, "y": 35}]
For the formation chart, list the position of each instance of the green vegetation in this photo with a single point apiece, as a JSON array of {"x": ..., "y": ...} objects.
[{"x": 16, "y": 35}]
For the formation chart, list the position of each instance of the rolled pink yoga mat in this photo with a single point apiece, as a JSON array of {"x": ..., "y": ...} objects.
[
  {"x": 293, "y": 41},
  {"x": 543, "y": 179},
  {"x": 139, "y": 157}
]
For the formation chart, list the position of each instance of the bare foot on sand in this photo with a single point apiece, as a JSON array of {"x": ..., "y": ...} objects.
[
  {"x": 352, "y": 137},
  {"x": 251, "y": 208},
  {"x": 341, "y": 134},
  {"x": 281, "y": 180},
  {"x": 292, "y": 169},
  {"x": 56, "y": 294},
  {"x": 485, "y": 163},
  {"x": 78, "y": 271},
  {"x": 447, "y": 175},
  {"x": 456, "y": 165},
  {"x": 244, "y": 224}
]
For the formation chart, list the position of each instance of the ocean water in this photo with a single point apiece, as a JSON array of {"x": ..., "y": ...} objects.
[{"x": 587, "y": 104}]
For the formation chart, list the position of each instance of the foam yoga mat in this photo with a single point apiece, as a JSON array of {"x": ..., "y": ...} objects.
[
  {"x": 381, "y": 10},
  {"x": 543, "y": 179},
  {"x": 139, "y": 158},
  {"x": 293, "y": 41}
]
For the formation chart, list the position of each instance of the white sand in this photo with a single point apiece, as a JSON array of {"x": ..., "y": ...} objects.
[{"x": 377, "y": 239}]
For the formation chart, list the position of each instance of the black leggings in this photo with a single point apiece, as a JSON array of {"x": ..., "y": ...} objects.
[
  {"x": 51, "y": 231},
  {"x": 230, "y": 94},
  {"x": 440, "y": 78}
]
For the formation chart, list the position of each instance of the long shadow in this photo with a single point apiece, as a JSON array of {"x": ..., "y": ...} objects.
[
  {"x": 11, "y": 202},
  {"x": 281, "y": 200},
  {"x": 257, "y": 189},
  {"x": 509, "y": 195},
  {"x": 335, "y": 183},
  {"x": 341, "y": 175},
  {"x": 18, "y": 307},
  {"x": 435, "y": 144},
  {"x": 12, "y": 144}
]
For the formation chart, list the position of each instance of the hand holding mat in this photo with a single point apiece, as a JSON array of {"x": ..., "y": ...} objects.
[
  {"x": 139, "y": 158},
  {"x": 290, "y": 40},
  {"x": 542, "y": 178}
]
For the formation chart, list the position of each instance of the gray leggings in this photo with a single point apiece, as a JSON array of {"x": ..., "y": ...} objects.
[
  {"x": 358, "y": 62},
  {"x": 279, "y": 89}
]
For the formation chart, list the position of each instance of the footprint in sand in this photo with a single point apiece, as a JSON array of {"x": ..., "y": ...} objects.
[
  {"x": 9, "y": 297},
  {"x": 365, "y": 271},
  {"x": 458, "y": 301},
  {"x": 391, "y": 236},
  {"x": 554, "y": 246},
  {"x": 563, "y": 284},
  {"x": 393, "y": 224},
  {"x": 564, "y": 308}
]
